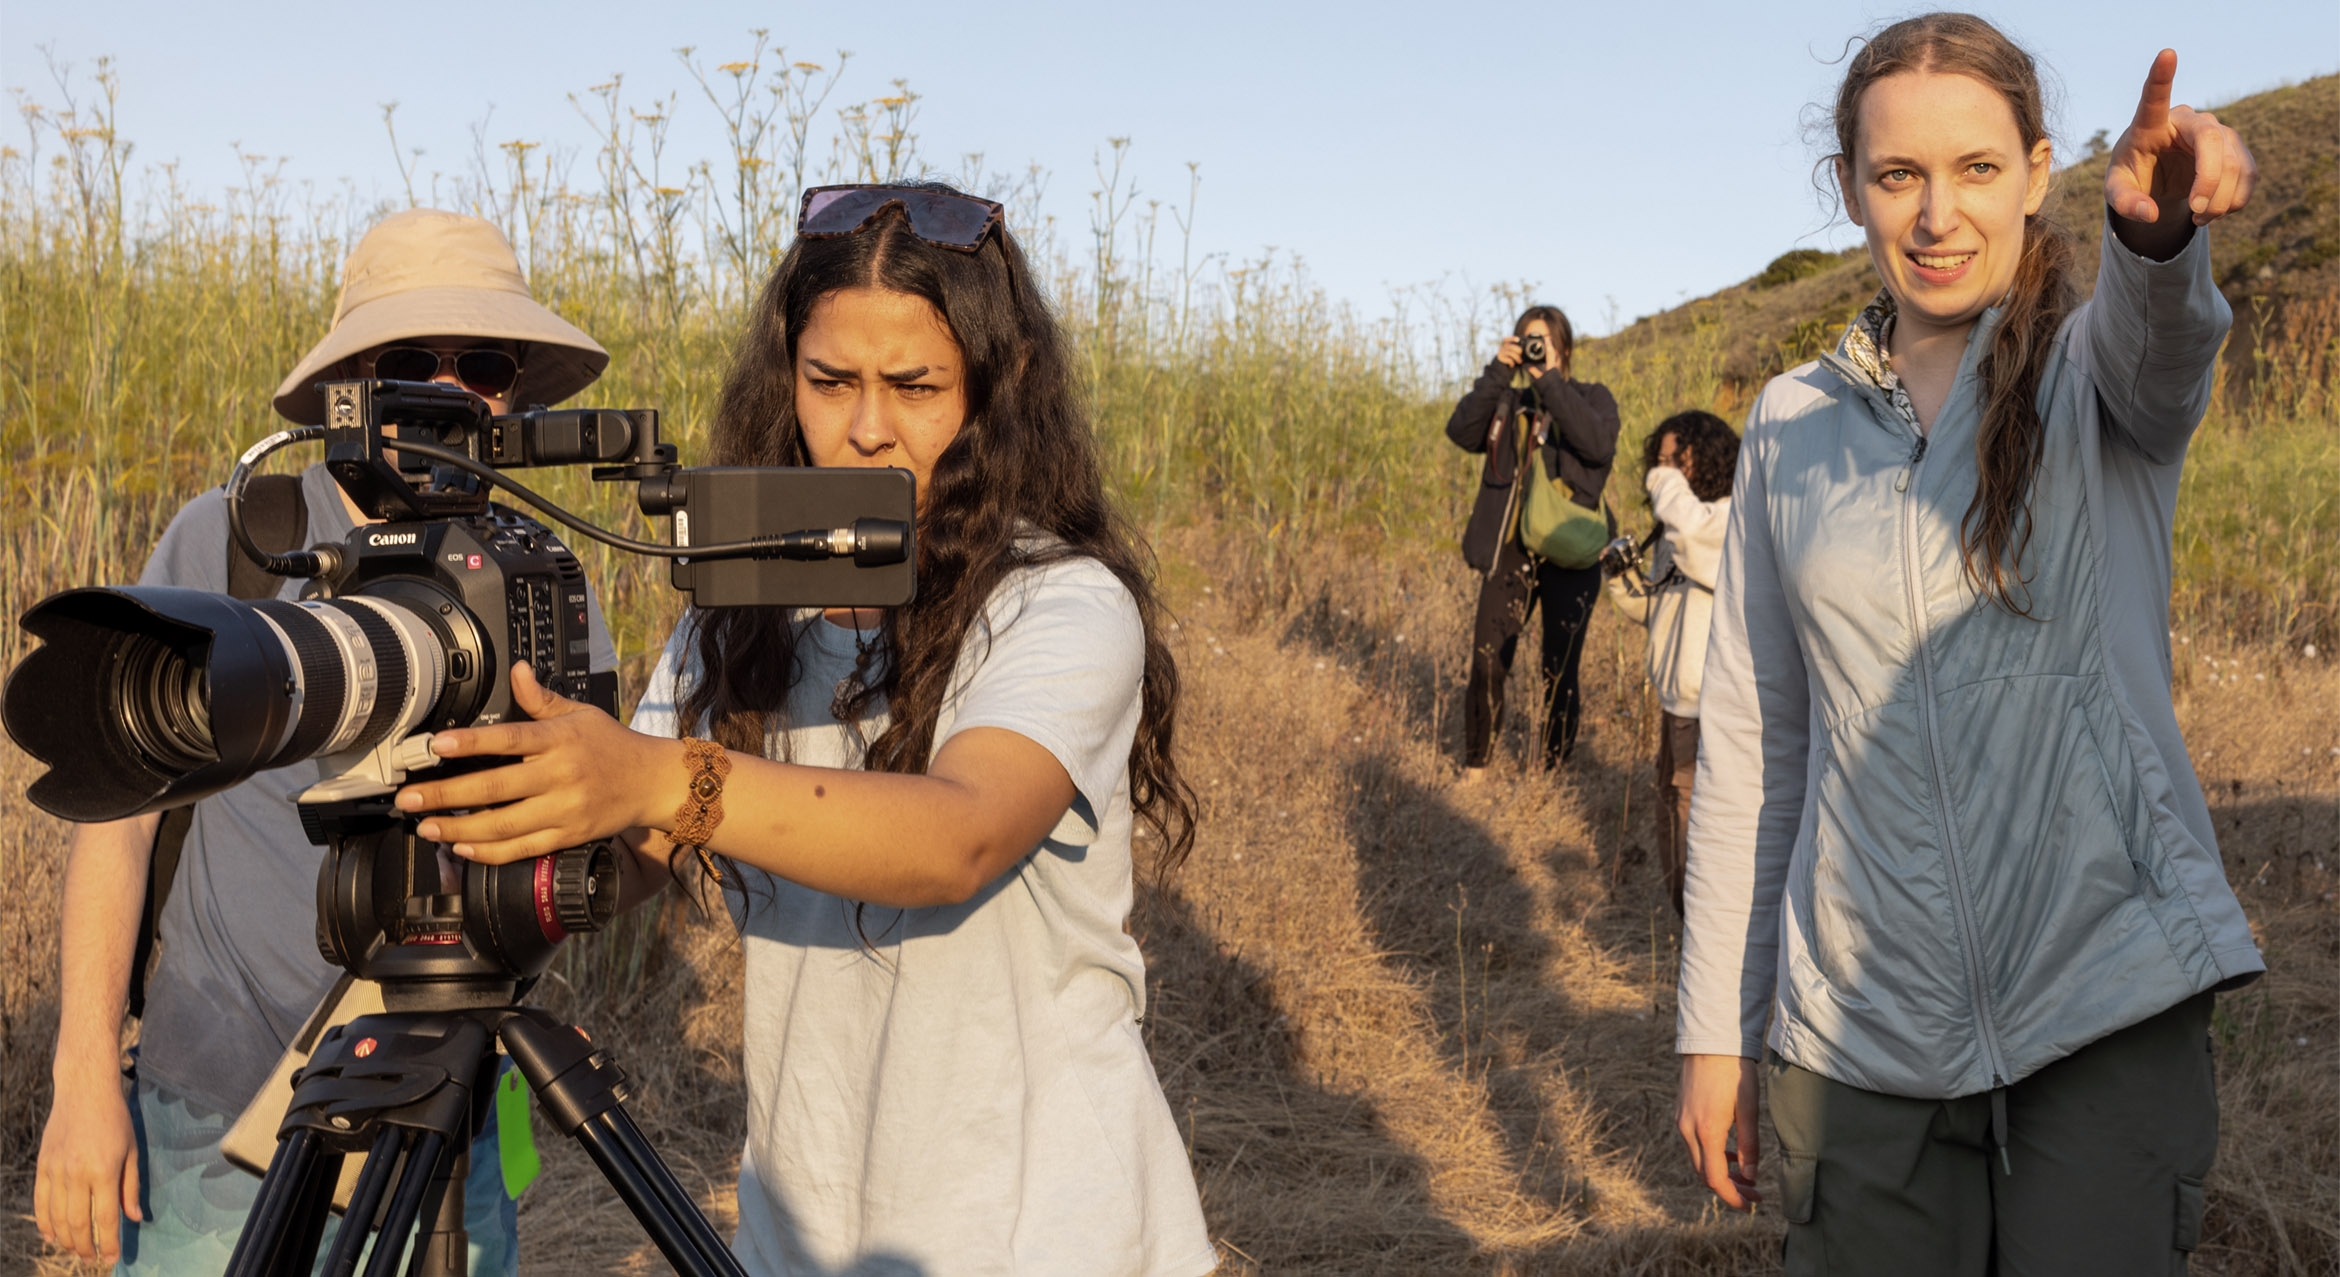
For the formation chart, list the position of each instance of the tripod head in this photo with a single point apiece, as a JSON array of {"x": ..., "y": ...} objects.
[{"x": 385, "y": 911}]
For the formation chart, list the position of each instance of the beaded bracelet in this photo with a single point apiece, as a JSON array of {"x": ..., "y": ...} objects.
[{"x": 702, "y": 806}]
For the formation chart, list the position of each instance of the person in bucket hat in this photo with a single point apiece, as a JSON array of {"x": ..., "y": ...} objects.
[
  {"x": 425, "y": 275},
  {"x": 133, "y": 1172}
]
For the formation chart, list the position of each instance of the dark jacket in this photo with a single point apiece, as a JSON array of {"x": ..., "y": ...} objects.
[{"x": 1579, "y": 446}]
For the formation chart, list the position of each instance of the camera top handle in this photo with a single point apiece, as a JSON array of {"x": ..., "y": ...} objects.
[
  {"x": 625, "y": 441},
  {"x": 868, "y": 542}
]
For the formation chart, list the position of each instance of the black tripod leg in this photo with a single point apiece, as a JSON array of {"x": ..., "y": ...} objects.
[
  {"x": 443, "y": 1249},
  {"x": 358, "y": 1221},
  {"x": 581, "y": 1090},
  {"x": 305, "y": 1227},
  {"x": 422, "y": 1162},
  {"x": 637, "y": 1185},
  {"x": 264, "y": 1228},
  {"x": 670, "y": 1190}
]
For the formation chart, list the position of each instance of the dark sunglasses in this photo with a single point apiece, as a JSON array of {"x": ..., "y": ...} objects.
[
  {"x": 482, "y": 371},
  {"x": 943, "y": 220}
]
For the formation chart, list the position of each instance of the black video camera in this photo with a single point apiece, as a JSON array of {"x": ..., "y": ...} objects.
[{"x": 142, "y": 698}]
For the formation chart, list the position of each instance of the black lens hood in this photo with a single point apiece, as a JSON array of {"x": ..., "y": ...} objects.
[{"x": 66, "y": 704}]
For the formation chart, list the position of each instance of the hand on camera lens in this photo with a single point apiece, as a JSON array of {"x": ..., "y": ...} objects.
[
  {"x": 581, "y": 776},
  {"x": 1508, "y": 354},
  {"x": 1620, "y": 556}
]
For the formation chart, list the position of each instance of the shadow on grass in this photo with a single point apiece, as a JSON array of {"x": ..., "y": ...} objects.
[
  {"x": 1447, "y": 905},
  {"x": 1294, "y": 1178}
]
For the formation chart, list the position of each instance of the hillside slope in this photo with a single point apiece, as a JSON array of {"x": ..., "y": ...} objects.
[{"x": 2281, "y": 251}]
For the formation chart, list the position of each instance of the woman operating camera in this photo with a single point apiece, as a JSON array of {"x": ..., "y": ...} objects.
[
  {"x": 1525, "y": 392},
  {"x": 922, "y": 817}
]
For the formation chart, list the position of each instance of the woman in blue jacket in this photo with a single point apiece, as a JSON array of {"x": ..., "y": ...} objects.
[{"x": 1952, "y": 879}]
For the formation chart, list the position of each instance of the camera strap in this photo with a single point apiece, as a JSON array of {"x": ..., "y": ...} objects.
[{"x": 276, "y": 512}]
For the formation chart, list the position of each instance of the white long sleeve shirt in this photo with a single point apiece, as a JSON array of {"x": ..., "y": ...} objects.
[{"x": 1682, "y": 568}]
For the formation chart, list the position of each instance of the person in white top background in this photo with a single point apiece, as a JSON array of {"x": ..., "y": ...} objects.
[
  {"x": 921, "y": 817},
  {"x": 1686, "y": 466}
]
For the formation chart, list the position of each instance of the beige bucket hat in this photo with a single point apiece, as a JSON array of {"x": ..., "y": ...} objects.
[{"x": 429, "y": 273}]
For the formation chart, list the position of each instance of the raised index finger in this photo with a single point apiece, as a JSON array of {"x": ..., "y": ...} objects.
[{"x": 2153, "y": 103}]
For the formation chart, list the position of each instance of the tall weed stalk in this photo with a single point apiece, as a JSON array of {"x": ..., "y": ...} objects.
[{"x": 146, "y": 329}]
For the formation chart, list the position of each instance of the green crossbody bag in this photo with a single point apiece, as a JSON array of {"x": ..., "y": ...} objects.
[{"x": 1554, "y": 528}]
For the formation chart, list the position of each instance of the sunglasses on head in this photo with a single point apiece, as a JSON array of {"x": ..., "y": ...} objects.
[
  {"x": 942, "y": 219},
  {"x": 483, "y": 370}
]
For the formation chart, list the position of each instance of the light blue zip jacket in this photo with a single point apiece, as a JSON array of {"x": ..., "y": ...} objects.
[{"x": 1935, "y": 846}]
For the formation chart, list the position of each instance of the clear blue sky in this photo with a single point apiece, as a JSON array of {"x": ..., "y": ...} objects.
[{"x": 1622, "y": 156}]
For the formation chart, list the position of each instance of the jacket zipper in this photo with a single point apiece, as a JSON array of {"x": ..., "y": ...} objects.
[
  {"x": 1916, "y": 455},
  {"x": 1927, "y": 715}
]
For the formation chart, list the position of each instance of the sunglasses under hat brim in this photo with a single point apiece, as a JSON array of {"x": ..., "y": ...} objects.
[{"x": 558, "y": 358}]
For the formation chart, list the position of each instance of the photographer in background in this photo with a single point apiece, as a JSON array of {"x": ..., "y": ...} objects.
[
  {"x": 426, "y": 296},
  {"x": 1526, "y": 392},
  {"x": 1686, "y": 464}
]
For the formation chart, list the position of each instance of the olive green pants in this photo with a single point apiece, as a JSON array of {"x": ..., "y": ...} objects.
[{"x": 2100, "y": 1171}]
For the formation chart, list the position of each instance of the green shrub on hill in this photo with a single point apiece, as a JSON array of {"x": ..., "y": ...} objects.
[{"x": 1793, "y": 265}]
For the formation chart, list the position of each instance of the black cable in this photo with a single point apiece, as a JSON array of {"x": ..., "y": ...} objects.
[
  {"x": 761, "y": 547},
  {"x": 321, "y": 560},
  {"x": 297, "y": 562}
]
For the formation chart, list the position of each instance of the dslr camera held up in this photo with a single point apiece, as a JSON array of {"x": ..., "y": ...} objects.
[
  {"x": 1532, "y": 349},
  {"x": 142, "y": 699},
  {"x": 1620, "y": 556}
]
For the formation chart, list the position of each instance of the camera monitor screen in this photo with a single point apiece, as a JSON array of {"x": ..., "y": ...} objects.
[{"x": 726, "y": 504}]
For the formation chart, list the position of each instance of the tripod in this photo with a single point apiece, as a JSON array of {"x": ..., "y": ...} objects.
[{"x": 409, "y": 1088}]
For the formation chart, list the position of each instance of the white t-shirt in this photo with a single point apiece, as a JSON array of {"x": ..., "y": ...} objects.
[{"x": 963, "y": 1089}]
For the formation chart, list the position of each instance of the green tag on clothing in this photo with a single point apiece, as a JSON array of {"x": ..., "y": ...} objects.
[{"x": 515, "y": 1138}]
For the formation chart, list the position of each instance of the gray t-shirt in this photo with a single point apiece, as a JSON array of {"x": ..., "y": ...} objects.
[
  {"x": 238, "y": 969},
  {"x": 964, "y": 1089}
]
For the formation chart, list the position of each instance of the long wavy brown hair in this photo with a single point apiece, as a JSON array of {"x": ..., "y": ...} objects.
[
  {"x": 1019, "y": 487},
  {"x": 1996, "y": 529}
]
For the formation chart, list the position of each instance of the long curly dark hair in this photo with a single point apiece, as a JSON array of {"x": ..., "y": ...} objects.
[
  {"x": 1712, "y": 446},
  {"x": 1019, "y": 487}
]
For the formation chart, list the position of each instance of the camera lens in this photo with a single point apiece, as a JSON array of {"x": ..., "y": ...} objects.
[
  {"x": 143, "y": 698},
  {"x": 165, "y": 705}
]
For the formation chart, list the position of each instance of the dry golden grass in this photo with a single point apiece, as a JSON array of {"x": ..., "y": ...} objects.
[
  {"x": 1447, "y": 976},
  {"x": 1411, "y": 1026},
  {"x": 1408, "y": 1027}
]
